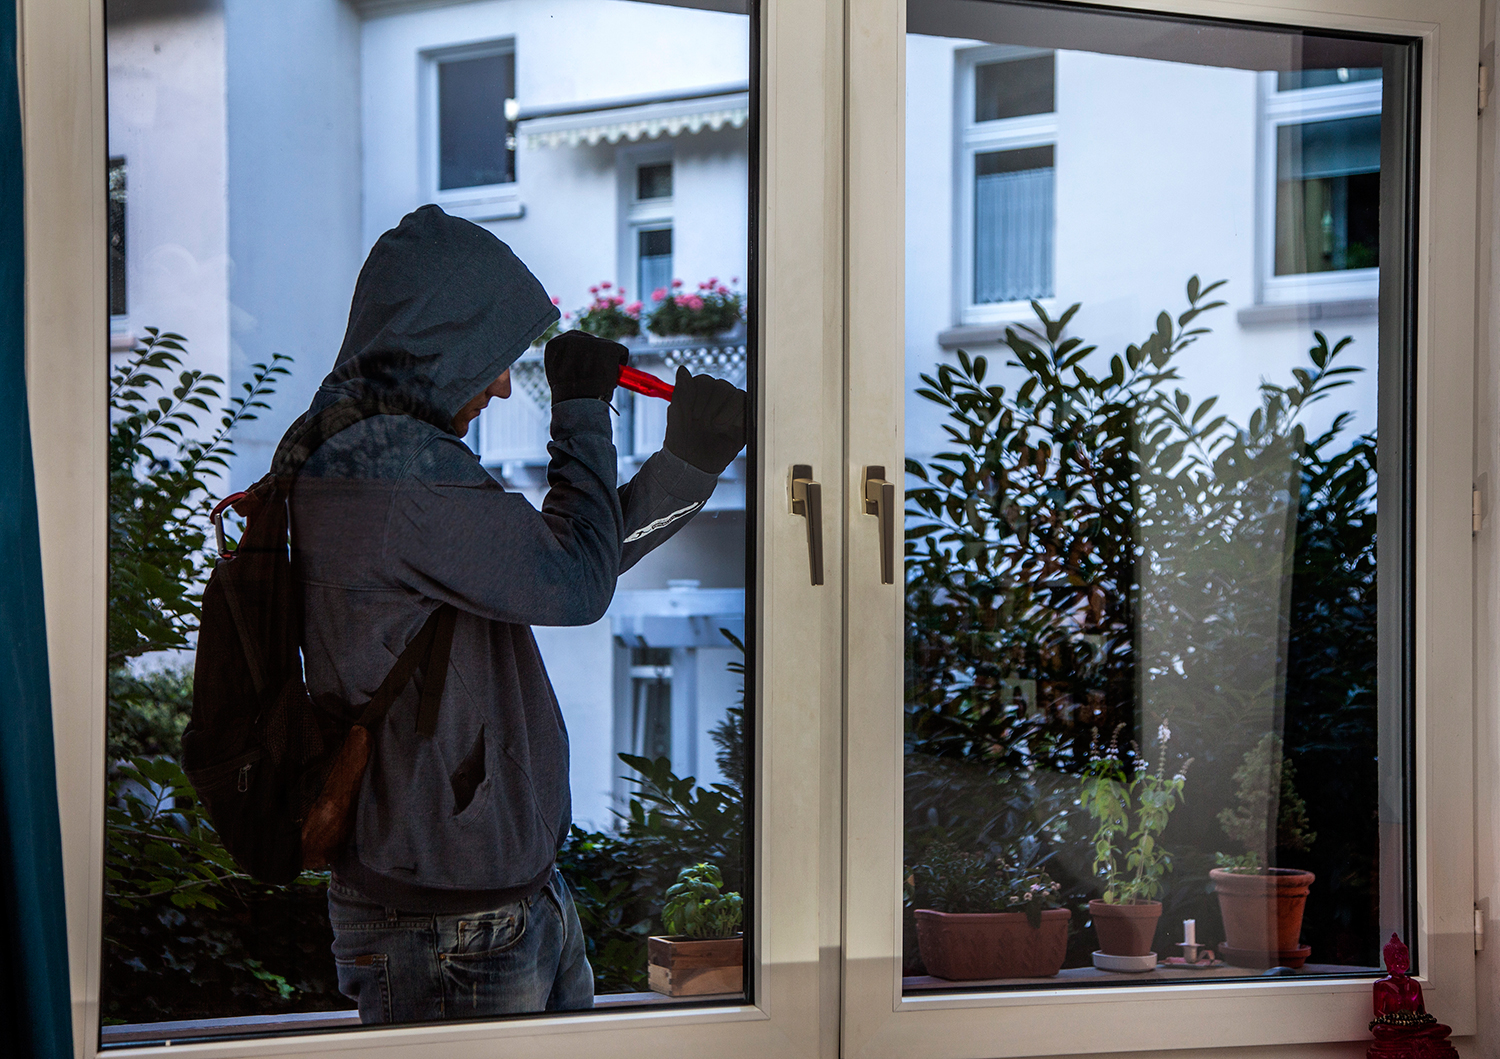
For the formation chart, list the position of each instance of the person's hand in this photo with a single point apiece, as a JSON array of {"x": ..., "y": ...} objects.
[
  {"x": 583, "y": 365},
  {"x": 706, "y": 421}
]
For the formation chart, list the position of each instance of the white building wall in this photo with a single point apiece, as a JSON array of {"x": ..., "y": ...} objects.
[
  {"x": 1156, "y": 181},
  {"x": 582, "y": 51},
  {"x": 167, "y": 119}
]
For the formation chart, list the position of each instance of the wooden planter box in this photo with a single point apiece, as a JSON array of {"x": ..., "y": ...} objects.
[
  {"x": 964, "y": 946},
  {"x": 680, "y": 966}
]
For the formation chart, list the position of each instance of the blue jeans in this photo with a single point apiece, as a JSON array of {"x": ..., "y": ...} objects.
[{"x": 415, "y": 967}]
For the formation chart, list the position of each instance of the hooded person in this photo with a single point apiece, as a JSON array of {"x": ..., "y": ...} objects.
[{"x": 445, "y": 900}]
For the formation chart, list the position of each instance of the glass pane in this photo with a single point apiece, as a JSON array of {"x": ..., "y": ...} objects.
[
  {"x": 1012, "y": 88},
  {"x": 473, "y": 137},
  {"x": 1149, "y": 735},
  {"x": 576, "y": 739},
  {"x": 655, "y": 263},
  {"x": 654, "y": 181},
  {"x": 1328, "y": 195}
]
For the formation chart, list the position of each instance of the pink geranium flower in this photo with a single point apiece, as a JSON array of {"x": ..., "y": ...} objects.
[
  {"x": 658, "y": 294},
  {"x": 634, "y": 308},
  {"x": 677, "y": 283}
]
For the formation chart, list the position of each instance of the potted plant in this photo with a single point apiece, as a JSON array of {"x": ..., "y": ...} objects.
[
  {"x": 711, "y": 311},
  {"x": 1131, "y": 809},
  {"x": 702, "y": 951},
  {"x": 1262, "y": 906},
  {"x": 986, "y": 919}
]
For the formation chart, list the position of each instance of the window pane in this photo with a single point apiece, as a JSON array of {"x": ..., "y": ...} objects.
[
  {"x": 655, "y": 263},
  {"x": 1328, "y": 195},
  {"x": 1013, "y": 219},
  {"x": 599, "y": 653},
  {"x": 654, "y": 181},
  {"x": 117, "y": 303},
  {"x": 472, "y": 130},
  {"x": 1291, "y": 80},
  {"x": 1143, "y": 690},
  {"x": 1013, "y": 88}
]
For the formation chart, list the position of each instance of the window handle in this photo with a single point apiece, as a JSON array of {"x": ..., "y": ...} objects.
[
  {"x": 880, "y": 501},
  {"x": 807, "y": 501}
]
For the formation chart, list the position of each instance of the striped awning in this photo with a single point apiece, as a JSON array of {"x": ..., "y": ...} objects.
[{"x": 645, "y": 120}]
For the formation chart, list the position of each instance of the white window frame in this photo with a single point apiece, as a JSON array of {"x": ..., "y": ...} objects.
[
  {"x": 979, "y": 137},
  {"x": 485, "y": 202},
  {"x": 793, "y": 929},
  {"x": 1285, "y": 1017},
  {"x": 1301, "y": 106}
]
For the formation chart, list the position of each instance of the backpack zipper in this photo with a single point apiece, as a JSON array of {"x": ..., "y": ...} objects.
[{"x": 244, "y": 784}]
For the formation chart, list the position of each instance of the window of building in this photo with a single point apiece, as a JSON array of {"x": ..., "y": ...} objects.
[
  {"x": 117, "y": 302},
  {"x": 653, "y": 181},
  {"x": 653, "y": 260},
  {"x": 1328, "y": 195},
  {"x": 651, "y": 702},
  {"x": 476, "y": 142},
  {"x": 1007, "y": 167},
  {"x": 1320, "y": 185}
]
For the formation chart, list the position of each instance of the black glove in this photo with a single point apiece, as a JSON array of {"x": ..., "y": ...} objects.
[
  {"x": 705, "y": 421},
  {"x": 583, "y": 365}
]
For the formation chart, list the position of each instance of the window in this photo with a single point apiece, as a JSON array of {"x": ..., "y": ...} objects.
[
  {"x": 653, "y": 181},
  {"x": 1319, "y": 203},
  {"x": 650, "y": 726},
  {"x": 476, "y": 106},
  {"x": 653, "y": 260},
  {"x": 1007, "y": 181},
  {"x": 117, "y": 303},
  {"x": 1328, "y": 195}
]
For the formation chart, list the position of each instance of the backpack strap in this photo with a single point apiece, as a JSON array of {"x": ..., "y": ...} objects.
[{"x": 428, "y": 650}]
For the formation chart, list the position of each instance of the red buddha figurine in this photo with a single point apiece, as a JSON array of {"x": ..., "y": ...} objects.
[{"x": 1402, "y": 1027}]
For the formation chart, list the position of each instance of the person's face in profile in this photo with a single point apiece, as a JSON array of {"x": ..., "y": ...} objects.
[{"x": 468, "y": 413}]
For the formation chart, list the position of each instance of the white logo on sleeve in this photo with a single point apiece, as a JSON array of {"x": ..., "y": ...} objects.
[{"x": 663, "y": 522}]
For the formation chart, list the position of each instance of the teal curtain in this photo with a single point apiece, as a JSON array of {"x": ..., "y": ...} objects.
[{"x": 34, "y": 1005}]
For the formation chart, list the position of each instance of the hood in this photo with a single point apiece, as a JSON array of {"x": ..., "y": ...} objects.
[{"x": 442, "y": 307}]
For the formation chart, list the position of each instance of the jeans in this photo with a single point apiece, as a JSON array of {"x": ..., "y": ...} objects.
[{"x": 416, "y": 967}]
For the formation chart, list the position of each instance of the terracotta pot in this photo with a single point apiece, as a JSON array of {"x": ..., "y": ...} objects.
[
  {"x": 681, "y": 966},
  {"x": 1125, "y": 930},
  {"x": 1262, "y": 911},
  {"x": 962, "y": 946}
]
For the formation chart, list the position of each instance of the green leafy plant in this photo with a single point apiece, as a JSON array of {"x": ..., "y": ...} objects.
[
  {"x": 1266, "y": 788},
  {"x": 711, "y": 310},
  {"x": 697, "y": 908},
  {"x": 1131, "y": 810},
  {"x": 185, "y": 934},
  {"x": 161, "y": 475},
  {"x": 947, "y": 879}
]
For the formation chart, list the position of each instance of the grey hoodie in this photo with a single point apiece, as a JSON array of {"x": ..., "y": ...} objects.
[{"x": 395, "y": 515}]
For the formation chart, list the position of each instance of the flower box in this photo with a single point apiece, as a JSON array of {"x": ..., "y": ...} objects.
[
  {"x": 964, "y": 946},
  {"x": 679, "y": 966}
]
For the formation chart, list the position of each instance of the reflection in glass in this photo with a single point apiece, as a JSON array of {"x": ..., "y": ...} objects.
[
  {"x": 539, "y": 123},
  {"x": 1145, "y": 713},
  {"x": 474, "y": 145}
]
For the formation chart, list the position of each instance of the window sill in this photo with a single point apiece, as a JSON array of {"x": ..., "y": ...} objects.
[
  {"x": 1308, "y": 311},
  {"x": 966, "y": 335},
  {"x": 479, "y": 205},
  {"x": 266, "y": 1025}
]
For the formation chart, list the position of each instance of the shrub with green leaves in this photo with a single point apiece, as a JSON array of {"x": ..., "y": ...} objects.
[
  {"x": 947, "y": 879},
  {"x": 1266, "y": 788},
  {"x": 697, "y": 908}
]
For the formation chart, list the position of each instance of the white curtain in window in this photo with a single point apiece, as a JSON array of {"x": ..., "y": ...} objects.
[{"x": 1013, "y": 221}]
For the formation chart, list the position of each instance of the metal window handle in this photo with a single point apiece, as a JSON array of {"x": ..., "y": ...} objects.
[
  {"x": 880, "y": 501},
  {"x": 807, "y": 500}
]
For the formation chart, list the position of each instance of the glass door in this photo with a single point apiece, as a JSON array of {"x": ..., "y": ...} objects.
[{"x": 1140, "y": 315}]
